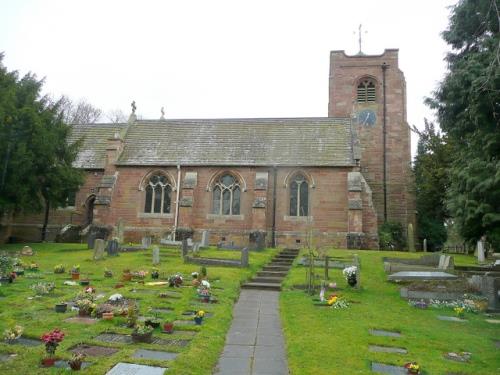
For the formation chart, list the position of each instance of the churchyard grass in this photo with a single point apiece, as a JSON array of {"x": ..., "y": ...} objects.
[
  {"x": 322, "y": 340},
  {"x": 37, "y": 315}
]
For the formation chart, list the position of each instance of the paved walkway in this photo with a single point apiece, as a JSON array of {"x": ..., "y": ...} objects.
[{"x": 255, "y": 343}]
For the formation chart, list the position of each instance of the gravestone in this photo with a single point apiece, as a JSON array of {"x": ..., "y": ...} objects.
[
  {"x": 244, "y": 257},
  {"x": 204, "y": 239},
  {"x": 27, "y": 251},
  {"x": 184, "y": 248},
  {"x": 490, "y": 289},
  {"x": 156, "y": 255},
  {"x": 122, "y": 368},
  {"x": 411, "y": 239},
  {"x": 388, "y": 369},
  {"x": 99, "y": 246},
  {"x": 146, "y": 242},
  {"x": 90, "y": 240},
  {"x": 120, "y": 229},
  {"x": 112, "y": 247},
  {"x": 257, "y": 240},
  {"x": 425, "y": 245},
  {"x": 387, "y": 349},
  {"x": 190, "y": 242},
  {"x": 196, "y": 247},
  {"x": 381, "y": 332},
  {"x": 480, "y": 250}
]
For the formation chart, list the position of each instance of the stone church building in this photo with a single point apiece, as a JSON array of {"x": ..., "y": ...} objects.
[{"x": 334, "y": 179}]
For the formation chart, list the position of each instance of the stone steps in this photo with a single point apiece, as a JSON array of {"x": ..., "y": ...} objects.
[{"x": 272, "y": 274}]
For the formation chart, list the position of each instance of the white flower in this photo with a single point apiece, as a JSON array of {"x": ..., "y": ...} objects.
[
  {"x": 205, "y": 284},
  {"x": 350, "y": 271},
  {"x": 116, "y": 297}
]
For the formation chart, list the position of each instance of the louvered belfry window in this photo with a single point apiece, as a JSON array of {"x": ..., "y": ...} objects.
[
  {"x": 366, "y": 91},
  {"x": 158, "y": 195},
  {"x": 226, "y": 196}
]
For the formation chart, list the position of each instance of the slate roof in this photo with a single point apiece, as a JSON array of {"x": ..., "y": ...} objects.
[
  {"x": 226, "y": 142},
  {"x": 95, "y": 138}
]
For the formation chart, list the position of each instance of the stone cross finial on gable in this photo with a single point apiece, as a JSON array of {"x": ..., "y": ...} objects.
[
  {"x": 133, "y": 106},
  {"x": 360, "y": 39},
  {"x": 162, "y": 117}
]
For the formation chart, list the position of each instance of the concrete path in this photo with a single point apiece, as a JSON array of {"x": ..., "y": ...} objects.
[{"x": 254, "y": 343}]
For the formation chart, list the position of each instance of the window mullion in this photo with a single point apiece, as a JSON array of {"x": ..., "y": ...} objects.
[{"x": 162, "y": 198}]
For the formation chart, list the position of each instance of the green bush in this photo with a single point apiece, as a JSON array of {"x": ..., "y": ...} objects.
[{"x": 391, "y": 236}]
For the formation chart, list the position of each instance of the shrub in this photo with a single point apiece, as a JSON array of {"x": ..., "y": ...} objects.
[{"x": 391, "y": 236}]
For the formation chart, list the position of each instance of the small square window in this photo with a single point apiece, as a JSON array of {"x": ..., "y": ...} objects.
[
  {"x": 297, "y": 241},
  {"x": 223, "y": 238}
]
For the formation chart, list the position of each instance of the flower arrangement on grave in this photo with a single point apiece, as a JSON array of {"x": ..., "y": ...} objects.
[
  {"x": 155, "y": 273},
  {"x": 142, "y": 333},
  {"x": 350, "y": 274},
  {"x": 115, "y": 298},
  {"x": 6, "y": 264},
  {"x": 412, "y": 367},
  {"x": 459, "y": 311},
  {"x": 52, "y": 340},
  {"x": 337, "y": 302},
  {"x": 126, "y": 276},
  {"x": 85, "y": 303},
  {"x": 132, "y": 315},
  {"x": 75, "y": 272},
  {"x": 11, "y": 334},
  {"x": 33, "y": 267},
  {"x": 204, "y": 290},
  {"x": 59, "y": 268},
  {"x": 175, "y": 280},
  {"x": 76, "y": 361},
  {"x": 42, "y": 288},
  {"x": 198, "y": 317},
  {"x": 108, "y": 273},
  {"x": 139, "y": 274}
]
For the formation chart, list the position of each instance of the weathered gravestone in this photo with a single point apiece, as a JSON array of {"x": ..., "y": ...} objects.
[
  {"x": 120, "y": 229},
  {"x": 99, "y": 246},
  {"x": 91, "y": 240},
  {"x": 244, "y": 257},
  {"x": 146, "y": 242},
  {"x": 112, "y": 247},
  {"x": 480, "y": 250},
  {"x": 204, "y": 239},
  {"x": 490, "y": 289},
  {"x": 184, "y": 248},
  {"x": 425, "y": 245},
  {"x": 257, "y": 240},
  {"x": 156, "y": 255}
]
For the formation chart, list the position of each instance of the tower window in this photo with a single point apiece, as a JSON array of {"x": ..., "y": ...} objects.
[{"x": 366, "y": 91}]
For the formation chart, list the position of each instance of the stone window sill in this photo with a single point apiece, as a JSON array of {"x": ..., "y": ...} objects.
[
  {"x": 226, "y": 217},
  {"x": 145, "y": 215},
  {"x": 298, "y": 219}
]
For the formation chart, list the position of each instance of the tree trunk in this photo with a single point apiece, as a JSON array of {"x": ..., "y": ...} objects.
[{"x": 45, "y": 219}]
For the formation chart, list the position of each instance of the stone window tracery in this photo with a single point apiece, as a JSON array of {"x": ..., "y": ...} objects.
[
  {"x": 158, "y": 195},
  {"x": 299, "y": 196},
  {"x": 226, "y": 195},
  {"x": 366, "y": 91}
]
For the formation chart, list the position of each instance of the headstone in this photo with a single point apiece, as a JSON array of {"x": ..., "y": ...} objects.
[
  {"x": 112, "y": 247},
  {"x": 99, "y": 246},
  {"x": 190, "y": 242},
  {"x": 156, "y": 255},
  {"x": 204, "y": 239},
  {"x": 27, "y": 251},
  {"x": 411, "y": 239},
  {"x": 257, "y": 240},
  {"x": 120, "y": 229},
  {"x": 490, "y": 289},
  {"x": 244, "y": 257},
  {"x": 441, "y": 261},
  {"x": 146, "y": 242},
  {"x": 90, "y": 240},
  {"x": 425, "y": 245},
  {"x": 480, "y": 250},
  {"x": 134, "y": 369},
  {"x": 196, "y": 247},
  {"x": 184, "y": 248}
]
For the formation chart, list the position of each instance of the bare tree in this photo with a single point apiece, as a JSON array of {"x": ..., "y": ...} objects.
[
  {"x": 116, "y": 116},
  {"x": 80, "y": 112}
]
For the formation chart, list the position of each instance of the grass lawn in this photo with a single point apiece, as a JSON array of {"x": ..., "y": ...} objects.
[
  {"x": 37, "y": 315},
  {"x": 323, "y": 340}
]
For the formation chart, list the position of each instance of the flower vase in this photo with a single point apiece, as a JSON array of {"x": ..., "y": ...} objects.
[
  {"x": 168, "y": 327},
  {"x": 352, "y": 281},
  {"x": 198, "y": 320},
  {"x": 48, "y": 362},
  {"x": 75, "y": 276}
]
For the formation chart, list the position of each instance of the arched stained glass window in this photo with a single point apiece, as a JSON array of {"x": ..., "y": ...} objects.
[
  {"x": 299, "y": 196},
  {"x": 158, "y": 195},
  {"x": 366, "y": 91},
  {"x": 226, "y": 195}
]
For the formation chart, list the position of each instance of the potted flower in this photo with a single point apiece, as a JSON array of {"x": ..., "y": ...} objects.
[
  {"x": 153, "y": 322},
  {"x": 85, "y": 303},
  {"x": 42, "y": 288},
  {"x": 168, "y": 327},
  {"x": 61, "y": 307},
  {"x": 350, "y": 275},
  {"x": 108, "y": 315},
  {"x": 6, "y": 264},
  {"x": 155, "y": 273},
  {"x": 175, "y": 280},
  {"x": 108, "y": 273},
  {"x": 51, "y": 340},
  {"x": 198, "y": 318},
  {"x": 412, "y": 367},
  {"x": 142, "y": 333},
  {"x": 126, "y": 276},
  {"x": 75, "y": 272},
  {"x": 132, "y": 315},
  {"x": 59, "y": 268},
  {"x": 76, "y": 361},
  {"x": 12, "y": 334}
]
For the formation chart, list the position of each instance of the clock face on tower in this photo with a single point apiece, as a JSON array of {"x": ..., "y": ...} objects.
[{"x": 367, "y": 117}]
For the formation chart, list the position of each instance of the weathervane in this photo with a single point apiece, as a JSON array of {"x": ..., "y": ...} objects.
[
  {"x": 162, "y": 113},
  {"x": 133, "y": 106},
  {"x": 360, "y": 38}
]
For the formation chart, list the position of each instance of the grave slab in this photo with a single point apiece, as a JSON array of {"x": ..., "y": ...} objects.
[
  {"x": 81, "y": 319},
  {"x": 153, "y": 354},
  {"x": 382, "y": 368},
  {"x": 94, "y": 350},
  {"x": 458, "y": 357},
  {"x": 451, "y": 318},
  {"x": 65, "y": 365},
  {"x": 381, "y": 332},
  {"x": 184, "y": 322},
  {"x": 134, "y": 369},
  {"x": 493, "y": 321},
  {"x": 420, "y": 275},
  {"x": 5, "y": 357},
  {"x": 162, "y": 310},
  {"x": 387, "y": 349},
  {"x": 127, "y": 339},
  {"x": 25, "y": 342}
]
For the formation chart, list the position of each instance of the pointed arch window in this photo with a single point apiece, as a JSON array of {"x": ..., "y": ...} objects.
[
  {"x": 366, "y": 91},
  {"x": 226, "y": 195},
  {"x": 158, "y": 195},
  {"x": 299, "y": 196}
]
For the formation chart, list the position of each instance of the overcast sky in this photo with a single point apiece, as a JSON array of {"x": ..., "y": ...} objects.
[{"x": 217, "y": 59}]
